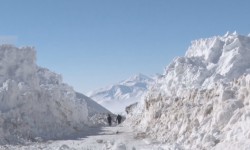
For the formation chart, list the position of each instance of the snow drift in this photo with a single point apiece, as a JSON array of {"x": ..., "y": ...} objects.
[
  {"x": 35, "y": 103},
  {"x": 202, "y": 99},
  {"x": 116, "y": 97}
]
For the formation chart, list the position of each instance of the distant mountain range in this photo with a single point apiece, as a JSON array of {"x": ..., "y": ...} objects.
[{"x": 116, "y": 97}]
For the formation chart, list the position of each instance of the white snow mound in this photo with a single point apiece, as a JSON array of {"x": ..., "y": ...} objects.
[
  {"x": 34, "y": 102},
  {"x": 202, "y": 100}
]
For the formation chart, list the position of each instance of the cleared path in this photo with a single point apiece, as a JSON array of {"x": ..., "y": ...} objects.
[{"x": 104, "y": 138}]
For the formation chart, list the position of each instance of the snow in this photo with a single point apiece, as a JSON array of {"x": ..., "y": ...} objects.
[
  {"x": 35, "y": 103},
  {"x": 116, "y": 97},
  {"x": 105, "y": 138},
  {"x": 200, "y": 102},
  {"x": 202, "y": 99}
]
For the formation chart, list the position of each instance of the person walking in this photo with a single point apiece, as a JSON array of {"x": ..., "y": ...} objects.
[
  {"x": 119, "y": 119},
  {"x": 109, "y": 120}
]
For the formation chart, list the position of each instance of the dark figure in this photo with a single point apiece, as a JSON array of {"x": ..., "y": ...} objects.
[
  {"x": 119, "y": 119},
  {"x": 109, "y": 120}
]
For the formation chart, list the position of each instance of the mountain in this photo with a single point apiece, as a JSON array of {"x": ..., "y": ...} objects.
[
  {"x": 93, "y": 107},
  {"x": 202, "y": 99},
  {"x": 116, "y": 97},
  {"x": 35, "y": 103}
]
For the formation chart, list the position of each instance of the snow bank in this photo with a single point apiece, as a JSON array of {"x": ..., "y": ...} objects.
[
  {"x": 202, "y": 100},
  {"x": 207, "y": 61},
  {"x": 34, "y": 102}
]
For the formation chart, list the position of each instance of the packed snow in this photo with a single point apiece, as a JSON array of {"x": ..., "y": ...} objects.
[
  {"x": 35, "y": 103},
  {"x": 105, "y": 138},
  {"x": 202, "y": 99},
  {"x": 116, "y": 97}
]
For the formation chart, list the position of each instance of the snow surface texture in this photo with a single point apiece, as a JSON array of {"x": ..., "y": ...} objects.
[
  {"x": 116, "y": 97},
  {"x": 35, "y": 103},
  {"x": 105, "y": 138},
  {"x": 202, "y": 100}
]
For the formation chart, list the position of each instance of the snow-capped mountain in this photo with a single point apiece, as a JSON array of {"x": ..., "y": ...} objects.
[
  {"x": 35, "y": 103},
  {"x": 202, "y": 99},
  {"x": 117, "y": 97}
]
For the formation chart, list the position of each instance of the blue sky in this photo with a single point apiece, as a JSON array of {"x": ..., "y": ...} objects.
[{"x": 94, "y": 43}]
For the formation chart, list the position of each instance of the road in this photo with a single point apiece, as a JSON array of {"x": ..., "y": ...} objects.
[{"x": 103, "y": 138}]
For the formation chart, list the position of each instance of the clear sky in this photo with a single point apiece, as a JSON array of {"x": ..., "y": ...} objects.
[{"x": 94, "y": 43}]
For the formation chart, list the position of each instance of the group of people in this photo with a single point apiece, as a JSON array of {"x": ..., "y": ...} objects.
[{"x": 118, "y": 119}]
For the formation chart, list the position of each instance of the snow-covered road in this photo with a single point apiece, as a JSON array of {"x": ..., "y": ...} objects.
[{"x": 104, "y": 138}]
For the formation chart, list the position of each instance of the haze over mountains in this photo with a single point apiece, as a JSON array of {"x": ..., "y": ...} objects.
[{"x": 116, "y": 97}]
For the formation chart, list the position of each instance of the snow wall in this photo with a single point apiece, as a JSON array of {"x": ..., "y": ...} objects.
[
  {"x": 202, "y": 99},
  {"x": 34, "y": 102}
]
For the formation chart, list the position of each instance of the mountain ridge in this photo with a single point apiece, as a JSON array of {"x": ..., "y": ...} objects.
[{"x": 123, "y": 93}]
